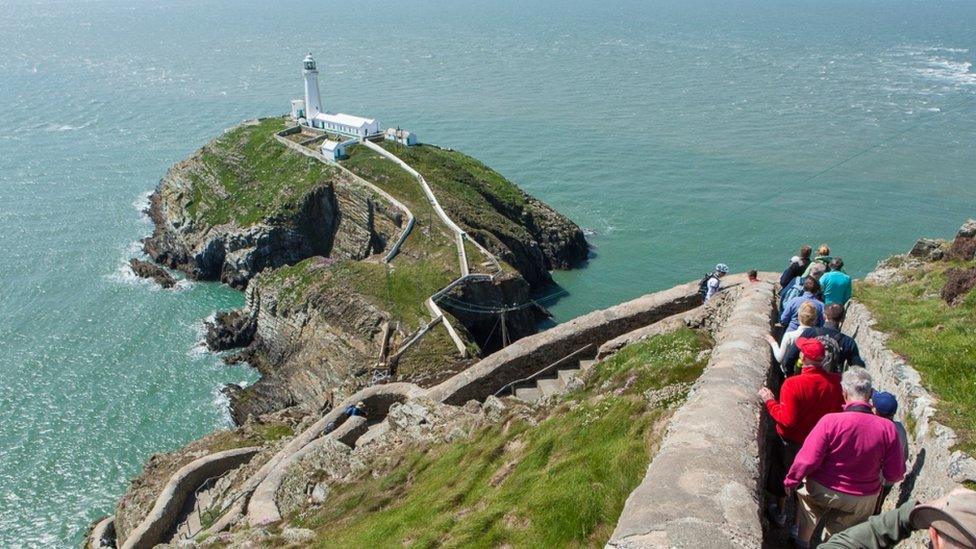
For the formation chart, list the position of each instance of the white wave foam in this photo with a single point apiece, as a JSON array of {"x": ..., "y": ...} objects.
[
  {"x": 947, "y": 70},
  {"x": 125, "y": 275},
  {"x": 141, "y": 204},
  {"x": 222, "y": 403}
]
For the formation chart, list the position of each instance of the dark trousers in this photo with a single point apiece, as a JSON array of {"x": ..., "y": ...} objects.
[{"x": 781, "y": 459}]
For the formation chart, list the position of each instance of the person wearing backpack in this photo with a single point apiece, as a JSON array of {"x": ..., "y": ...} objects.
[
  {"x": 848, "y": 355},
  {"x": 790, "y": 310},
  {"x": 798, "y": 264},
  {"x": 711, "y": 283}
]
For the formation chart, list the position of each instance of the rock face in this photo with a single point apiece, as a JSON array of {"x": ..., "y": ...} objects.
[
  {"x": 928, "y": 249},
  {"x": 335, "y": 219},
  {"x": 229, "y": 330},
  {"x": 964, "y": 245},
  {"x": 145, "y": 269},
  {"x": 958, "y": 283}
]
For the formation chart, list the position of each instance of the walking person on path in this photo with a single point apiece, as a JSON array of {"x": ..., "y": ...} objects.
[
  {"x": 836, "y": 284},
  {"x": 790, "y": 310},
  {"x": 803, "y": 400},
  {"x": 850, "y": 354},
  {"x": 838, "y": 472}
]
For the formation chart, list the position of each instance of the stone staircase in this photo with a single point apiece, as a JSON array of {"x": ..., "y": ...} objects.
[
  {"x": 207, "y": 496},
  {"x": 552, "y": 383}
]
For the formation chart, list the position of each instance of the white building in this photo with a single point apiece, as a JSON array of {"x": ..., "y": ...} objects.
[
  {"x": 309, "y": 112},
  {"x": 402, "y": 137},
  {"x": 335, "y": 150}
]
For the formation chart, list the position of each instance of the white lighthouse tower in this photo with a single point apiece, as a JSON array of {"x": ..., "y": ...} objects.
[{"x": 313, "y": 101}]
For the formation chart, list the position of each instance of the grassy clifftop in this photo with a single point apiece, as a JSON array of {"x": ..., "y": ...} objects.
[
  {"x": 556, "y": 480},
  {"x": 246, "y": 176},
  {"x": 937, "y": 339}
]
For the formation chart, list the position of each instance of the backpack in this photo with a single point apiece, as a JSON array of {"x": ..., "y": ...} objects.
[
  {"x": 791, "y": 290},
  {"x": 833, "y": 361},
  {"x": 703, "y": 285}
]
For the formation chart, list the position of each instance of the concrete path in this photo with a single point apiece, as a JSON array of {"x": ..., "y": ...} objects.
[{"x": 702, "y": 488}]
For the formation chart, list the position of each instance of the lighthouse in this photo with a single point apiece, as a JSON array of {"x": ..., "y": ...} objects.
[{"x": 313, "y": 101}]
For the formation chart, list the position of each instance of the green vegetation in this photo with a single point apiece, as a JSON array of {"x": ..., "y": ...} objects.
[
  {"x": 562, "y": 482},
  {"x": 471, "y": 193},
  {"x": 937, "y": 339},
  {"x": 401, "y": 288},
  {"x": 248, "y": 177}
]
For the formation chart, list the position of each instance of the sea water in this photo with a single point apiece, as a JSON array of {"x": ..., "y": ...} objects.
[{"x": 678, "y": 133}]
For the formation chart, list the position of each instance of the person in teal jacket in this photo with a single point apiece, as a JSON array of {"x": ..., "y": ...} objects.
[{"x": 835, "y": 284}]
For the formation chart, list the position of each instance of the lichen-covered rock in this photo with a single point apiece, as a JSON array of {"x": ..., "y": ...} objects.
[
  {"x": 964, "y": 245},
  {"x": 928, "y": 249}
]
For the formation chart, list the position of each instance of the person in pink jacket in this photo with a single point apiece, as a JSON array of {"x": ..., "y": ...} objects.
[{"x": 842, "y": 462}]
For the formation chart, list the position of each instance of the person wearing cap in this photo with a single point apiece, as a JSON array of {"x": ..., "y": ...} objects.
[
  {"x": 837, "y": 473},
  {"x": 803, "y": 400},
  {"x": 885, "y": 405},
  {"x": 810, "y": 290},
  {"x": 950, "y": 521},
  {"x": 850, "y": 354},
  {"x": 715, "y": 281}
]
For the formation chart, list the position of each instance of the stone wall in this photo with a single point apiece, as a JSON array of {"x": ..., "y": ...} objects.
[
  {"x": 162, "y": 518},
  {"x": 703, "y": 487},
  {"x": 934, "y": 467},
  {"x": 530, "y": 354}
]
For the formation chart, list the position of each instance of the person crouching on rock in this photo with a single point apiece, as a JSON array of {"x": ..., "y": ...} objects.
[
  {"x": 837, "y": 473},
  {"x": 803, "y": 400}
]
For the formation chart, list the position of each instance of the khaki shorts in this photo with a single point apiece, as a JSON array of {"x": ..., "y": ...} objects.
[{"x": 839, "y": 511}]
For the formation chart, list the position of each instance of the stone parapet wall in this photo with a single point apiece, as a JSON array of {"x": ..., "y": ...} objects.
[
  {"x": 162, "y": 518},
  {"x": 934, "y": 467},
  {"x": 702, "y": 489},
  {"x": 532, "y": 353}
]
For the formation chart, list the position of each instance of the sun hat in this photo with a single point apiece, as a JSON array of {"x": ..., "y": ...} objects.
[
  {"x": 953, "y": 515},
  {"x": 722, "y": 268},
  {"x": 812, "y": 349},
  {"x": 885, "y": 403}
]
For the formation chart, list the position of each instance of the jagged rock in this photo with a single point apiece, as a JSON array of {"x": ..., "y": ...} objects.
[
  {"x": 959, "y": 282},
  {"x": 298, "y": 535},
  {"x": 493, "y": 407},
  {"x": 964, "y": 245},
  {"x": 928, "y": 249},
  {"x": 320, "y": 492},
  {"x": 230, "y": 329},
  {"x": 145, "y": 269}
]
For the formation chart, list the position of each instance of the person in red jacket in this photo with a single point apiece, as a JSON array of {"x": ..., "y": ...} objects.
[{"x": 803, "y": 400}]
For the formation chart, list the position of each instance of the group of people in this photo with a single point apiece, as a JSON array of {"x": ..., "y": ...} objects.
[{"x": 838, "y": 448}]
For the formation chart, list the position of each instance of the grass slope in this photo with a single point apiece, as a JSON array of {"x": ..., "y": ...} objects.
[
  {"x": 248, "y": 177},
  {"x": 562, "y": 482},
  {"x": 937, "y": 339}
]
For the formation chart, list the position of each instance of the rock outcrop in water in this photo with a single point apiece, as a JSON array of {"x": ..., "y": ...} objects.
[{"x": 151, "y": 271}]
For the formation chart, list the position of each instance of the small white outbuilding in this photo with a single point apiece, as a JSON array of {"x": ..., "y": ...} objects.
[{"x": 402, "y": 137}]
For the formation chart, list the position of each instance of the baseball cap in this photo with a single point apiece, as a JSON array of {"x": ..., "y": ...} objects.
[
  {"x": 884, "y": 402},
  {"x": 954, "y": 515},
  {"x": 813, "y": 350}
]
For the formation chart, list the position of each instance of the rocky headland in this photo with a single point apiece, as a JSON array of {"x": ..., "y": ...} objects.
[{"x": 306, "y": 240}]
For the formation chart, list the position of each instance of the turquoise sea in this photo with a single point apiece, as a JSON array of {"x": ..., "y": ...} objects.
[{"x": 678, "y": 132}]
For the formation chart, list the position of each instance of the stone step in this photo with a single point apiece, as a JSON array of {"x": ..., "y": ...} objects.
[
  {"x": 528, "y": 394},
  {"x": 567, "y": 375},
  {"x": 587, "y": 364},
  {"x": 550, "y": 387}
]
